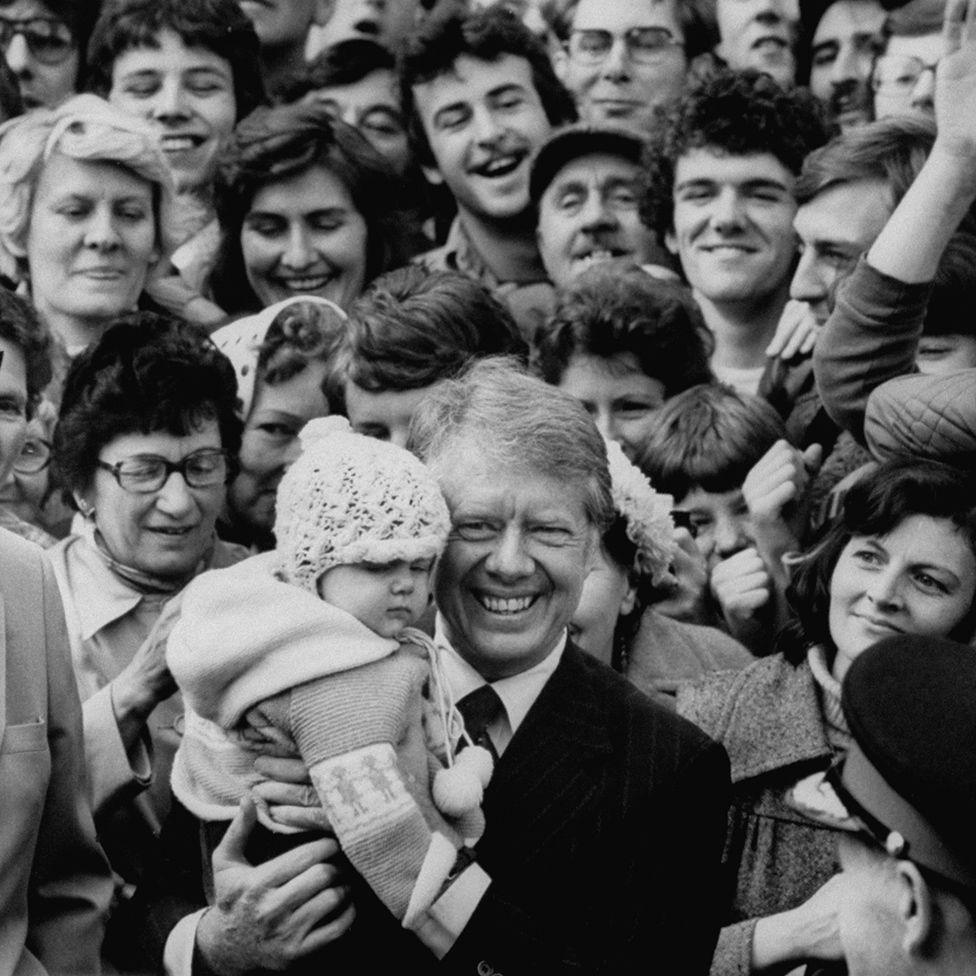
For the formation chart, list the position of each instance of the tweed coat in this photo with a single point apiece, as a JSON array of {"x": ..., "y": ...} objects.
[{"x": 769, "y": 718}]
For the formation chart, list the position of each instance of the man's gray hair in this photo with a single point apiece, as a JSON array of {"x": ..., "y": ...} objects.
[{"x": 518, "y": 421}]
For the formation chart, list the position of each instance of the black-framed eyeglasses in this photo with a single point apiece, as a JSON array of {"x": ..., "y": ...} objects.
[
  {"x": 34, "y": 456},
  {"x": 146, "y": 473},
  {"x": 48, "y": 40},
  {"x": 897, "y": 73},
  {"x": 644, "y": 45}
]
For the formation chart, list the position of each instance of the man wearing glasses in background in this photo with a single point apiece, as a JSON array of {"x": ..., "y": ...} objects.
[
  {"x": 42, "y": 44},
  {"x": 626, "y": 57},
  {"x": 904, "y": 76}
]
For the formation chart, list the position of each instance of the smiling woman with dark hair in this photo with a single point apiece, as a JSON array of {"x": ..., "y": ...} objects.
[
  {"x": 900, "y": 559},
  {"x": 306, "y": 207}
]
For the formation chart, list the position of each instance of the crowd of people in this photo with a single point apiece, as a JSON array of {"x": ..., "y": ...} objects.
[{"x": 488, "y": 487}]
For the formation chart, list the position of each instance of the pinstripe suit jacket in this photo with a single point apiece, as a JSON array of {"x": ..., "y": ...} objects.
[{"x": 605, "y": 823}]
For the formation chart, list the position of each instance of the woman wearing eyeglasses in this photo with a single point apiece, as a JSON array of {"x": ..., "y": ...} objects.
[
  {"x": 899, "y": 559},
  {"x": 144, "y": 446}
]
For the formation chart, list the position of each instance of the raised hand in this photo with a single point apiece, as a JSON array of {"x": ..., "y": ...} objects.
[
  {"x": 778, "y": 478},
  {"x": 955, "y": 86},
  {"x": 796, "y": 333}
]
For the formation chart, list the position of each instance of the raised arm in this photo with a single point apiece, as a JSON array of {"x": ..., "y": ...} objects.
[{"x": 872, "y": 334}]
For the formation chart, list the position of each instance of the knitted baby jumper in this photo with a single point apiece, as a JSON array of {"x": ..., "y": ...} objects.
[{"x": 266, "y": 665}]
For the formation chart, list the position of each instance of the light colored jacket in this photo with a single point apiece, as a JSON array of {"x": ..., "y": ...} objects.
[{"x": 54, "y": 883}]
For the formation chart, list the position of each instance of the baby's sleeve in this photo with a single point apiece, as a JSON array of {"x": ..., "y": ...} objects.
[{"x": 360, "y": 734}]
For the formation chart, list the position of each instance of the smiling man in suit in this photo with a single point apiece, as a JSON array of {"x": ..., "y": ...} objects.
[{"x": 605, "y": 812}]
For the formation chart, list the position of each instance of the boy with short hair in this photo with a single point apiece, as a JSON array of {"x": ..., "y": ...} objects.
[
  {"x": 411, "y": 330},
  {"x": 725, "y": 459}
]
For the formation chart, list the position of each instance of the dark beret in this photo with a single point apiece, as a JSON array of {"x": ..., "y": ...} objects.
[{"x": 909, "y": 703}]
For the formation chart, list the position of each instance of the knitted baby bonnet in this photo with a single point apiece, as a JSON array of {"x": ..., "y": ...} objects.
[{"x": 354, "y": 499}]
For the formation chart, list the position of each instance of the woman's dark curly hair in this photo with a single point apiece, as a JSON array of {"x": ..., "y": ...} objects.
[
  {"x": 147, "y": 373},
  {"x": 219, "y": 26},
  {"x": 876, "y": 505},
  {"x": 272, "y": 144},
  {"x": 613, "y": 311},
  {"x": 732, "y": 113}
]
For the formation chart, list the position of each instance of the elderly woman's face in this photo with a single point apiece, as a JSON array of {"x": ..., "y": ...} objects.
[
  {"x": 165, "y": 532},
  {"x": 91, "y": 239},
  {"x": 44, "y": 59},
  {"x": 304, "y": 236},
  {"x": 513, "y": 570},
  {"x": 920, "y": 578}
]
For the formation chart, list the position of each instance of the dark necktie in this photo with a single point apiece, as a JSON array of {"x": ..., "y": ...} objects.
[{"x": 479, "y": 709}]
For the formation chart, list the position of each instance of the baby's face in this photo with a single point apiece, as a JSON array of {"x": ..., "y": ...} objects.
[{"x": 386, "y": 597}]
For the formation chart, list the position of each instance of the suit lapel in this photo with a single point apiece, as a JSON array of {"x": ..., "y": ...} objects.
[{"x": 553, "y": 765}]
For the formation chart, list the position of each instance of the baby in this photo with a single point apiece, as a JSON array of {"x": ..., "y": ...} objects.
[{"x": 307, "y": 650}]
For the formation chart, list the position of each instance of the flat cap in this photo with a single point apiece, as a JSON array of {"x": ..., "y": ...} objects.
[
  {"x": 909, "y": 703},
  {"x": 577, "y": 140}
]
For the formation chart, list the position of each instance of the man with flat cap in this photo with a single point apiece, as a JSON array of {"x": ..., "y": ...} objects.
[
  {"x": 584, "y": 184},
  {"x": 908, "y": 789}
]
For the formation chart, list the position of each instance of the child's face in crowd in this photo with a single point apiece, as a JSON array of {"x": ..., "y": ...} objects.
[
  {"x": 386, "y": 414},
  {"x": 620, "y": 397},
  {"x": 40, "y": 84},
  {"x": 304, "y": 236},
  {"x": 270, "y": 442},
  {"x": 920, "y": 578},
  {"x": 485, "y": 123},
  {"x": 588, "y": 214},
  {"x": 371, "y": 105},
  {"x": 835, "y": 228},
  {"x": 733, "y": 224},
  {"x": 619, "y": 89},
  {"x": 386, "y": 597},
  {"x": 188, "y": 95},
  {"x": 283, "y": 23},
  {"x": 721, "y": 521},
  {"x": 92, "y": 238}
]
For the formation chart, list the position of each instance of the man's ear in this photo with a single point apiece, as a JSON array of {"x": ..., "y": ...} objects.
[
  {"x": 322, "y": 11},
  {"x": 917, "y": 911},
  {"x": 433, "y": 175},
  {"x": 671, "y": 242}
]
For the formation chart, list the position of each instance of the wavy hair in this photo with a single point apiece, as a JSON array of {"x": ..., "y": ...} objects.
[
  {"x": 89, "y": 129},
  {"x": 273, "y": 144}
]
